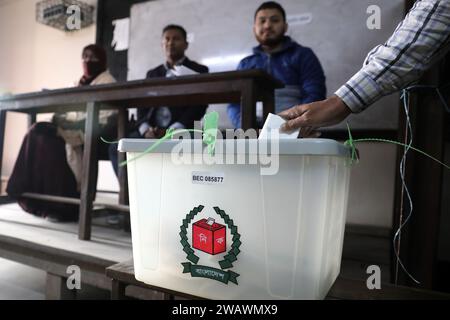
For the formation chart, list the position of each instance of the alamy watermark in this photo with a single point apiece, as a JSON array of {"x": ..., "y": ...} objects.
[
  {"x": 374, "y": 20},
  {"x": 74, "y": 18},
  {"x": 74, "y": 279},
  {"x": 374, "y": 280},
  {"x": 239, "y": 147}
]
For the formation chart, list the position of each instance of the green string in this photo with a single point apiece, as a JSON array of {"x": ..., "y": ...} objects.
[
  {"x": 169, "y": 135},
  {"x": 210, "y": 128},
  {"x": 354, "y": 157}
]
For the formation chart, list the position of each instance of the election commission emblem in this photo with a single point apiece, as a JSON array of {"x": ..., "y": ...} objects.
[{"x": 210, "y": 236}]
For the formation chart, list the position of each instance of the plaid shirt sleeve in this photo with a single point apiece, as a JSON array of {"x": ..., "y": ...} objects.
[{"x": 418, "y": 41}]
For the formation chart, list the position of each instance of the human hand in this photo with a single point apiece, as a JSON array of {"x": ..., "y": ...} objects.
[
  {"x": 154, "y": 133},
  {"x": 159, "y": 132},
  {"x": 150, "y": 133},
  {"x": 313, "y": 115}
]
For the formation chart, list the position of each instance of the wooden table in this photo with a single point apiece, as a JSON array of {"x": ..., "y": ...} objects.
[
  {"x": 122, "y": 275},
  {"x": 244, "y": 87}
]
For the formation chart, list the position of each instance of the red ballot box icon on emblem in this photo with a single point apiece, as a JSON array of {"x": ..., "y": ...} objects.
[{"x": 209, "y": 237}]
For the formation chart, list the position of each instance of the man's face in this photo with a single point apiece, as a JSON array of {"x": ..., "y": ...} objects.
[
  {"x": 174, "y": 44},
  {"x": 269, "y": 27}
]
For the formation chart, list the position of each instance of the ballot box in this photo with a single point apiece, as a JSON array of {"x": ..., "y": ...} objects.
[{"x": 257, "y": 219}]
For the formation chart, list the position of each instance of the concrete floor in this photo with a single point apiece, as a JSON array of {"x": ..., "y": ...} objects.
[{"x": 20, "y": 282}]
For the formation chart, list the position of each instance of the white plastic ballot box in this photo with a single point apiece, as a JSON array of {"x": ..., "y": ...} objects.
[{"x": 256, "y": 220}]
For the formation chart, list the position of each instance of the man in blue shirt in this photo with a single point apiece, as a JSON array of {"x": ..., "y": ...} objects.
[{"x": 294, "y": 65}]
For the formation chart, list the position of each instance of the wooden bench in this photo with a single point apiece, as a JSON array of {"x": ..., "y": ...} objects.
[{"x": 54, "y": 247}]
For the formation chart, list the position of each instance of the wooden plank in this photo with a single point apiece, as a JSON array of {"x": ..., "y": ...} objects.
[
  {"x": 123, "y": 271},
  {"x": 214, "y": 87},
  {"x": 58, "y": 199},
  {"x": 146, "y": 294},
  {"x": 46, "y": 197},
  {"x": 90, "y": 170}
]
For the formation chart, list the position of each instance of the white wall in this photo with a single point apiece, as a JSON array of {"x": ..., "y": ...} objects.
[
  {"x": 372, "y": 185},
  {"x": 33, "y": 57}
]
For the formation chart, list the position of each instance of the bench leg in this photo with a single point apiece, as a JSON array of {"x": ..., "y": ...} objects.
[
  {"x": 117, "y": 290},
  {"x": 56, "y": 288}
]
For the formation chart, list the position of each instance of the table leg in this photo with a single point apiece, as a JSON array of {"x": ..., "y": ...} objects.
[
  {"x": 31, "y": 119},
  {"x": 268, "y": 103},
  {"x": 90, "y": 170},
  {"x": 122, "y": 125},
  {"x": 248, "y": 106}
]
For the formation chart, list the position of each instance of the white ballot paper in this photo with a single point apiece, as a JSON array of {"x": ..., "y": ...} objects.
[
  {"x": 182, "y": 71},
  {"x": 274, "y": 122}
]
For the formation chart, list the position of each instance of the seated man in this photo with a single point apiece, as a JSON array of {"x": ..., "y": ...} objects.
[
  {"x": 294, "y": 65},
  {"x": 153, "y": 122}
]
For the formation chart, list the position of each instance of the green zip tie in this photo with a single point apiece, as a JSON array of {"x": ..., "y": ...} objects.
[
  {"x": 169, "y": 134},
  {"x": 210, "y": 128},
  {"x": 354, "y": 157},
  {"x": 210, "y": 125}
]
